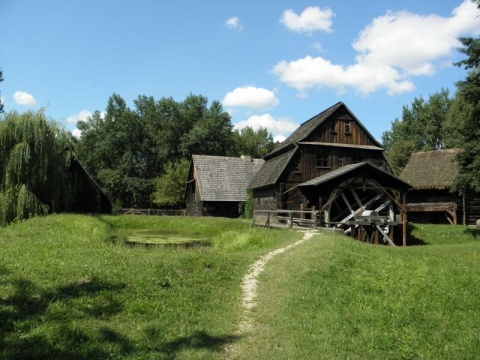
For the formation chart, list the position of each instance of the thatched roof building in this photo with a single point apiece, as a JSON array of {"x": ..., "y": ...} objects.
[
  {"x": 431, "y": 169},
  {"x": 432, "y": 174}
]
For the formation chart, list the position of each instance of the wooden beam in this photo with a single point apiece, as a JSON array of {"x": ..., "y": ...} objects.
[
  {"x": 344, "y": 197},
  {"x": 385, "y": 235},
  {"x": 400, "y": 206},
  {"x": 357, "y": 199}
]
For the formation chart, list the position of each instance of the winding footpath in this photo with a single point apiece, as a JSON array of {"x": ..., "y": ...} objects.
[{"x": 249, "y": 288}]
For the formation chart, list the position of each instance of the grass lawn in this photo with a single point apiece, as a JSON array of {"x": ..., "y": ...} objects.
[
  {"x": 71, "y": 289},
  {"x": 334, "y": 298}
]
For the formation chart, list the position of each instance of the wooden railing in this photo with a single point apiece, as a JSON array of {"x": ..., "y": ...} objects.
[{"x": 285, "y": 218}]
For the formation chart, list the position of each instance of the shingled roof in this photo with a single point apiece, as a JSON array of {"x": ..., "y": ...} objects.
[
  {"x": 305, "y": 129},
  {"x": 223, "y": 178},
  {"x": 431, "y": 169},
  {"x": 386, "y": 179},
  {"x": 271, "y": 170}
]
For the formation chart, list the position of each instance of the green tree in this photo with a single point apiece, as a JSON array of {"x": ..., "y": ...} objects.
[
  {"x": 210, "y": 129},
  {"x": 468, "y": 91},
  {"x": 170, "y": 186},
  {"x": 115, "y": 148},
  {"x": 32, "y": 166},
  {"x": 422, "y": 127},
  {"x": 255, "y": 143},
  {"x": 127, "y": 149}
]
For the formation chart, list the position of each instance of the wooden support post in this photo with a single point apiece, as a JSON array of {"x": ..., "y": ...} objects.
[
  {"x": 267, "y": 223},
  {"x": 291, "y": 219}
]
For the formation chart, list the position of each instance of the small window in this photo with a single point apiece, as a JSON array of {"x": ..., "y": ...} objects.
[
  {"x": 332, "y": 127},
  {"x": 347, "y": 126},
  {"x": 321, "y": 161},
  {"x": 297, "y": 177}
]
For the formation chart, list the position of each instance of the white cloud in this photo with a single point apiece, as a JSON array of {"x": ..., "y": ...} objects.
[
  {"x": 82, "y": 115},
  {"x": 24, "y": 98},
  {"x": 279, "y": 138},
  {"x": 77, "y": 133},
  {"x": 391, "y": 50},
  {"x": 281, "y": 127},
  {"x": 311, "y": 19},
  {"x": 250, "y": 97},
  {"x": 234, "y": 24},
  {"x": 310, "y": 72}
]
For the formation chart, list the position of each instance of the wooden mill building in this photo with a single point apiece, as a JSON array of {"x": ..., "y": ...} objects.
[
  {"x": 432, "y": 173},
  {"x": 331, "y": 163},
  {"x": 217, "y": 185}
]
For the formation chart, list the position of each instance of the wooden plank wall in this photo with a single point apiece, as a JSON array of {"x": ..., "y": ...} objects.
[{"x": 341, "y": 128}]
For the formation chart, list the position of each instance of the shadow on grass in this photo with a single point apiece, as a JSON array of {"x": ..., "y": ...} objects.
[
  {"x": 412, "y": 239},
  {"x": 475, "y": 232},
  {"x": 53, "y": 324},
  {"x": 28, "y": 329},
  {"x": 196, "y": 341}
]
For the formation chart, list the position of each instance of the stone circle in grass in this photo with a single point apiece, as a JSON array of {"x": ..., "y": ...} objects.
[{"x": 162, "y": 237}]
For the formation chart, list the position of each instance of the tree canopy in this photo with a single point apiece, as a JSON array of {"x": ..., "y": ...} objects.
[
  {"x": 32, "y": 166},
  {"x": 422, "y": 127},
  {"x": 127, "y": 149},
  {"x": 468, "y": 92},
  {"x": 443, "y": 122},
  {"x": 255, "y": 143}
]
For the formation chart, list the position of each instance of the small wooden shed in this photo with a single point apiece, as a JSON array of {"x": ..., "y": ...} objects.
[
  {"x": 432, "y": 173},
  {"x": 218, "y": 184},
  {"x": 84, "y": 194}
]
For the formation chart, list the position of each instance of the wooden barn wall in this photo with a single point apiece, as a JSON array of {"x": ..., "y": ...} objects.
[
  {"x": 303, "y": 166},
  {"x": 265, "y": 199},
  {"x": 431, "y": 196},
  {"x": 472, "y": 207},
  {"x": 341, "y": 128},
  {"x": 194, "y": 208},
  {"x": 221, "y": 208}
]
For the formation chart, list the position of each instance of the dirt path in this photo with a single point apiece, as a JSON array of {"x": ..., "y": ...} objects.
[{"x": 249, "y": 288}]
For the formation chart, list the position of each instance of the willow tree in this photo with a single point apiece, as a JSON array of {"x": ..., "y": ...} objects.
[{"x": 32, "y": 166}]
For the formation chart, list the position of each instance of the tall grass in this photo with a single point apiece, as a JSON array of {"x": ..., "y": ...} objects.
[
  {"x": 342, "y": 299},
  {"x": 69, "y": 288}
]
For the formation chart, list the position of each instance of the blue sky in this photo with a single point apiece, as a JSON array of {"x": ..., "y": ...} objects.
[{"x": 272, "y": 63}]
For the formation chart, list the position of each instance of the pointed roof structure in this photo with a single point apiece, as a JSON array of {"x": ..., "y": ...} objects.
[
  {"x": 306, "y": 128},
  {"x": 387, "y": 180},
  {"x": 435, "y": 169},
  {"x": 277, "y": 160},
  {"x": 222, "y": 178}
]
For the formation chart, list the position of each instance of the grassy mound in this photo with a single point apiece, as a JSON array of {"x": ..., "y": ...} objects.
[{"x": 68, "y": 291}]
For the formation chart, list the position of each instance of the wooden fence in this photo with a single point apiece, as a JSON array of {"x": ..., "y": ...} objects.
[{"x": 285, "y": 218}]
